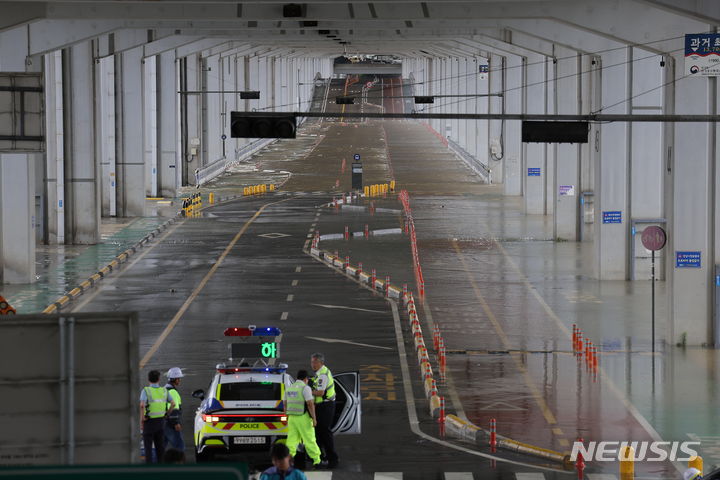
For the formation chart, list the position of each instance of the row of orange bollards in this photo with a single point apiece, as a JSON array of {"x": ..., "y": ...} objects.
[
  {"x": 439, "y": 347},
  {"x": 583, "y": 347},
  {"x": 410, "y": 228}
]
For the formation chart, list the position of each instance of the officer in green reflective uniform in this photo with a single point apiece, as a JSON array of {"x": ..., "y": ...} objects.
[
  {"x": 300, "y": 410},
  {"x": 155, "y": 404},
  {"x": 173, "y": 425},
  {"x": 324, "y": 393}
]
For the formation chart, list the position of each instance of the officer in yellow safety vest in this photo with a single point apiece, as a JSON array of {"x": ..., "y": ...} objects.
[
  {"x": 324, "y": 393},
  {"x": 173, "y": 425},
  {"x": 155, "y": 405},
  {"x": 300, "y": 410}
]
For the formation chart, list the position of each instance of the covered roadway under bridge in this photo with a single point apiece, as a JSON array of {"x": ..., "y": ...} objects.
[{"x": 471, "y": 277}]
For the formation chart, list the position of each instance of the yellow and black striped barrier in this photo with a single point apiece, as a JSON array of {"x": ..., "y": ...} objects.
[
  {"x": 192, "y": 205},
  {"x": 379, "y": 189},
  {"x": 258, "y": 189}
]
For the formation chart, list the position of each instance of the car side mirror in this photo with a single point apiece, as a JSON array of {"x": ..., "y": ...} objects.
[{"x": 199, "y": 394}]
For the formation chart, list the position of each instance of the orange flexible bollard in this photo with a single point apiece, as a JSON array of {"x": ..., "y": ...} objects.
[
  {"x": 574, "y": 336},
  {"x": 493, "y": 435},
  {"x": 595, "y": 358},
  {"x": 580, "y": 463}
]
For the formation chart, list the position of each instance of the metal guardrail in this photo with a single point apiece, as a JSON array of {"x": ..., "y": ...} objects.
[
  {"x": 476, "y": 165},
  {"x": 216, "y": 168}
]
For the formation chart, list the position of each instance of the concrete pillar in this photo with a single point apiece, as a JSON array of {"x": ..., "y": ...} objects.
[
  {"x": 646, "y": 157},
  {"x": 482, "y": 127},
  {"x": 550, "y": 150},
  {"x": 227, "y": 105},
  {"x": 192, "y": 116},
  {"x": 534, "y": 171},
  {"x": 168, "y": 125},
  {"x": 496, "y": 128},
  {"x": 694, "y": 209},
  {"x": 567, "y": 188},
  {"x": 213, "y": 109},
  {"x": 106, "y": 144},
  {"x": 82, "y": 192},
  {"x": 464, "y": 103},
  {"x": 590, "y": 153},
  {"x": 150, "y": 127},
  {"x": 612, "y": 179},
  {"x": 17, "y": 217},
  {"x": 513, "y": 148},
  {"x": 130, "y": 152},
  {"x": 55, "y": 152}
]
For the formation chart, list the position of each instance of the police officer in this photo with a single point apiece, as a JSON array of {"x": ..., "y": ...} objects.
[
  {"x": 324, "y": 393},
  {"x": 173, "y": 425},
  {"x": 300, "y": 410},
  {"x": 155, "y": 404}
]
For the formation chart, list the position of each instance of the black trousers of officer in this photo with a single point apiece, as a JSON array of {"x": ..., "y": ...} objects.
[
  {"x": 325, "y": 413},
  {"x": 154, "y": 433}
]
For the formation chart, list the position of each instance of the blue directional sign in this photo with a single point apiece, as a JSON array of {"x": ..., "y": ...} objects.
[
  {"x": 356, "y": 157},
  {"x": 688, "y": 260},
  {"x": 612, "y": 216},
  {"x": 533, "y": 172},
  {"x": 702, "y": 54}
]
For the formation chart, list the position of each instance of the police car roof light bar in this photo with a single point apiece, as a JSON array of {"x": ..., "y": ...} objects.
[
  {"x": 224, "y": 369},
  {"x": 252, "y": 331}
]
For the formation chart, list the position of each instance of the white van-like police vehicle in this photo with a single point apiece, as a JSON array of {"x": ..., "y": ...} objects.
[{"x": 243, "y": 410}]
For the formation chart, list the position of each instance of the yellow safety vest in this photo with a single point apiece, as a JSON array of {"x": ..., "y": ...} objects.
[
  {"x": 174, "y": 396},
  {"x": 330, "y": 388},
  {"x": 294, "y": 400},
  {"x": 157, "y": 402}
]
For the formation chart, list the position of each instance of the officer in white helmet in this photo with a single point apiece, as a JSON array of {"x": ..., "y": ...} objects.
[
  {"x": 173, "y": 425},
  {"x": 692, "y": 474}
]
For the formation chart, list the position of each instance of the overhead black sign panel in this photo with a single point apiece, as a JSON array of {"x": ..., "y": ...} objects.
[
  {"x": 344, "y": 100},
  {"x": 250, "y": 95},
  {"x": 555, "y": 132},
  {"x": 262, "y": 125},
  {"x": 424, "y": 99}
]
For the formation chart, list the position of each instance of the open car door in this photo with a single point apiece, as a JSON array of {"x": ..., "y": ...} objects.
[{"x": 347, "y": 403}]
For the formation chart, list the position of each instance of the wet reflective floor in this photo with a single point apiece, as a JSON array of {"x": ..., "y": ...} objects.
[{"x": 504, "y": 295}]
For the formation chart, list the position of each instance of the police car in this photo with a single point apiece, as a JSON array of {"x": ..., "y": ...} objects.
[{"x": 242, "y": 410}]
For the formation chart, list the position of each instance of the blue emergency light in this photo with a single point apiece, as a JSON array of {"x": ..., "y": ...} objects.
[{"x": 266, "y": 332}]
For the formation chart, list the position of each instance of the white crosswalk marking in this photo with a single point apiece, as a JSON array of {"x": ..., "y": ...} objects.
[
  {"x": 388, "y": 475},
  {"x": 529, "y": 476},
  {"x": 458, "y": 476},
  {"x": 601, "y": 476},
  {"x": 319, "y": 475}
]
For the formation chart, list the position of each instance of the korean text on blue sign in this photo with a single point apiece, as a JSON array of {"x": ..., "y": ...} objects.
[
  {"x": 702, "y": 54},
  {"x": 613, "y": 216},
  {"x": 687, "y": 260},
  {"x": 533, "y": 172}
]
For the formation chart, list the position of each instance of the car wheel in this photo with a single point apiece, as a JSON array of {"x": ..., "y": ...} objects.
[{"x": 205, "y": 456}]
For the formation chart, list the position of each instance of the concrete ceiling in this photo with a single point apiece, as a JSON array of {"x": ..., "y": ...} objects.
[{"x": 399, "y": 27}]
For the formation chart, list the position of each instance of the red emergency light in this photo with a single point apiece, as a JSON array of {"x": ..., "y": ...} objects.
[{"x": 238, "y": 332}]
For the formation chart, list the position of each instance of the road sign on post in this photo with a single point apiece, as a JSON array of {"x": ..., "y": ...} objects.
[{"x": 653, "y": 238}]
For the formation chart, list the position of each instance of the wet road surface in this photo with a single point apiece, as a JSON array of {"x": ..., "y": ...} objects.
[{"x": 504, "y": 295}]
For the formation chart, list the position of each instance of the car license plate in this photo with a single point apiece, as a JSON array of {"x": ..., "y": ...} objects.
[{"x": 248, "y": 440}]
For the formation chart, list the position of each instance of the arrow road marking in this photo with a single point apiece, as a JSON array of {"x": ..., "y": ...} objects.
[
  {"x": 337, "y": 340},
  {"x": 346, "y": 308},
  {"x": 502, "y": 406}
]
